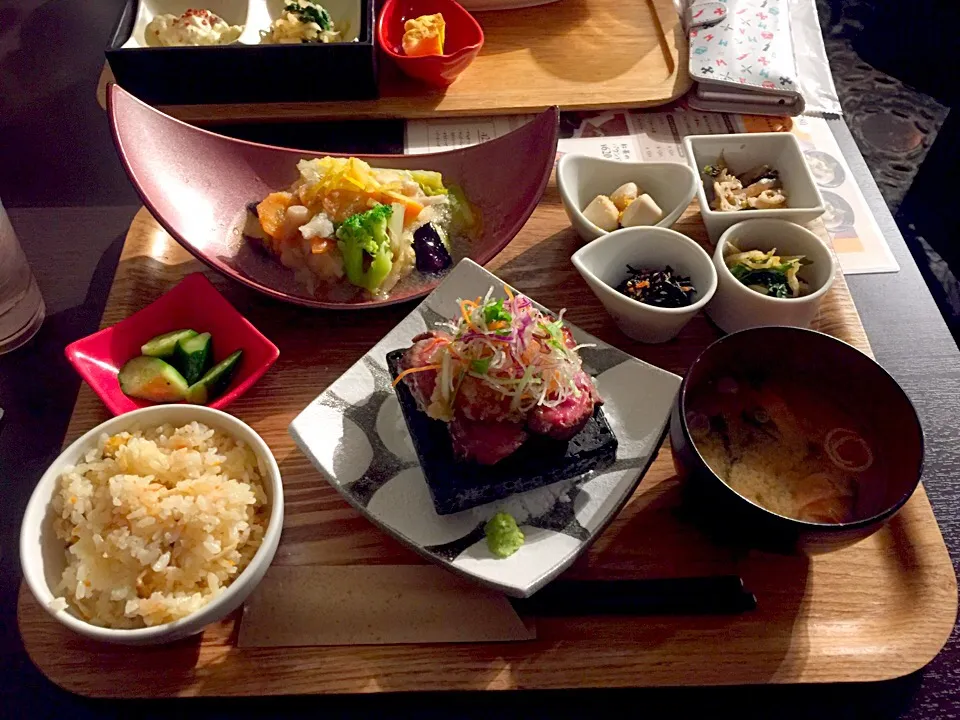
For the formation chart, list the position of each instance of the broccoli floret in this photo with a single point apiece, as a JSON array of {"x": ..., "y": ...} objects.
[{"x": 366, "y": 234}]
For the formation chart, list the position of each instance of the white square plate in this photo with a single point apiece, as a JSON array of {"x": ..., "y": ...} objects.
[
  {"x": 355, "y": 434},
  {"x": 779, "y": 150}
]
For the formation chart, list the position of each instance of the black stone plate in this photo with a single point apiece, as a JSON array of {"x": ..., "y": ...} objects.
[{"x": 457, "y": 485}]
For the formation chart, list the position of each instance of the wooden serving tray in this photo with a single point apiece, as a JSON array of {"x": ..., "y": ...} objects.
[
  {"x": 578, "y": 54},
  {"x": 876, "y": 610}
]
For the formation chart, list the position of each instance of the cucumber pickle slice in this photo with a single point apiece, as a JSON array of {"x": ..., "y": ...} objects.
[
  {"x": 193, "y": 356},
  {"x": 215, "y": 381},
  {"x": 150, "y": 378},
  {"x": 163, "y": 346}
]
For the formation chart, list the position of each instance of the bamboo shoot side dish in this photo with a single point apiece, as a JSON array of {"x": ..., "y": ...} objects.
[{"x": 757, "y": 189}]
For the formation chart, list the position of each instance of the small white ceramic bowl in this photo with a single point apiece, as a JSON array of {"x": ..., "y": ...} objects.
[
  {"x": 779, "y": 150},
  {"x": 580, "y": 178},
  {"x": 43, "y": 555},
  {"x": 603, "y": 264},
  {"x": 737, "y": 307}
]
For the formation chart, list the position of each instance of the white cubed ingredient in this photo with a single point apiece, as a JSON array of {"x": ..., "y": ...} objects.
[
  {"x": 319, "y": 226},
  {"x": 624, "y": 195},
  {"x": 603, "y": 213},
  {"x": 293, "y": 218},
  {"x": 642, "y": 211}
]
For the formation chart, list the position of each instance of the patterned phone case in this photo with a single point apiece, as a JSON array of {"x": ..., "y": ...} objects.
[{"x": 743, "y": 46}]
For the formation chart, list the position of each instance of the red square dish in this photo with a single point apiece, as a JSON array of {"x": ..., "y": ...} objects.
[{"x": 193, "y": 303}]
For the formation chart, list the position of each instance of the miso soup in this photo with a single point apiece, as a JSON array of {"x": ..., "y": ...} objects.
[{"x": 785, "y": 442}]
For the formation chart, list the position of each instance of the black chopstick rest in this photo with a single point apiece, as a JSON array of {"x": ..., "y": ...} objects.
[{"x": 720, "y": 595}]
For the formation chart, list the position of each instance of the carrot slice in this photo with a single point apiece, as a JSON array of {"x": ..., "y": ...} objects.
[
  {"x": 318, "y": 246},
  {"x": 271, "y": 211},
  {"x": 411, "y": 211},
  {"x": 411, "y": 208}
]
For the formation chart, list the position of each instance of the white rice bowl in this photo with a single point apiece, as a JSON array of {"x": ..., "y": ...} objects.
[{"x": 156, "y": 523}]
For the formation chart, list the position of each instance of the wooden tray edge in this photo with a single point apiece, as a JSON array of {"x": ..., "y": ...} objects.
[
  {"x": 674, "y": 46},
  {"x": 945, "y": 615},
  {"x": 27, "y": 604}
]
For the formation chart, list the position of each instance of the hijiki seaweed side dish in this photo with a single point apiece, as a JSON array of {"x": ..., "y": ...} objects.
[{"x": 661, "y": 288}]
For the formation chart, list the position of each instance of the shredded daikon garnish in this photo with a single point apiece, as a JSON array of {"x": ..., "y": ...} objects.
[{"x": 513, "y": 347}]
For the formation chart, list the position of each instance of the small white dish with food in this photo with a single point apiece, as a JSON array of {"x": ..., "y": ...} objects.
[
  {"x": 601, "y": 196},
  {"x": 770, "y": 272},
  {"x": 779, "y": 184},
  {"x": 153, "y": 525},
  {"x": 607, "y": 262},
  {"x": 295, "y": 21},
  {"x": 176, "y": 23},
  {"x": 482, "y": 542},
  {"x": 203, "y": 23}
]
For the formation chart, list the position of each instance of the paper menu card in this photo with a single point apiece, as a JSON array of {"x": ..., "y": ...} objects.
[
  {"x": 374, "y": 605},
  {"x": 425, "y": 136},
  {"x": 657, "y": 137},
  {"x": 857, "y": 239}
]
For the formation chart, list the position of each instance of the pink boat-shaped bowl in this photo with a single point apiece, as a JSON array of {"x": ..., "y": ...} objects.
[{"x": 198, "y": 184}]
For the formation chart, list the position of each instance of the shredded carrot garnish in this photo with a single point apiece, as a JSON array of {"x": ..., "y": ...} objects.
[
  {"x": 516, "y": 349},
  {"x": 408, "y": 371},
  {"x": 464, "y": 304},
  {"x": 435, "y": 343}
]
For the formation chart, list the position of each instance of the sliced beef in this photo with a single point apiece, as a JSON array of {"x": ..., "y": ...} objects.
[
  {"x": 476, "y": 400},
  {"x": 485, "y": 442},
  {"x": 422, "y": 353},
  {"x": 568, "y": 418}
]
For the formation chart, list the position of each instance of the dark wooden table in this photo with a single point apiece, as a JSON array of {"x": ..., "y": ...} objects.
[{"x": 71, "y": 211}]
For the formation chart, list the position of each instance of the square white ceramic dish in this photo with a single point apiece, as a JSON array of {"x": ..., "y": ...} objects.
[
  {"x": 779, "y": 150},
  {"x": 355, "y": 434}
]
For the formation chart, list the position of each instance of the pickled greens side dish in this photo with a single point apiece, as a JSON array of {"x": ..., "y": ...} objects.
[
  {"x": 343, "y": 222},
  {"x": 767, "y": 272},
  {"x": 302, "y": 21}
]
